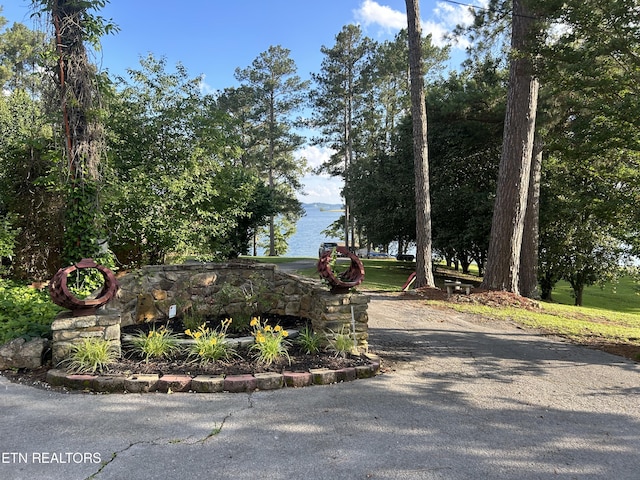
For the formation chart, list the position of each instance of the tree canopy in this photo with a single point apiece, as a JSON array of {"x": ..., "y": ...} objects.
[{"x": 158, "y": 169}]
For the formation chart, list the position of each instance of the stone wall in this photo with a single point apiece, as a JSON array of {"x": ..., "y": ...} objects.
[
  {"x": 230, "y": 289},
  {"x": 67, "y": 330}
]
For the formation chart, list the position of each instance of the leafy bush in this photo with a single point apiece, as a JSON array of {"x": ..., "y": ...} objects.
[
  {"x": 8, "y": 236},
  {"x": 270, "y": 342},
  {"x": 93, "y": 355},
  {"x": 24, "y": 311},
  {"x": 192, "y": 319}
]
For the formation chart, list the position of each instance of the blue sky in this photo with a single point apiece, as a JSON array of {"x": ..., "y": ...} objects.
[{"x": 214, "y": 37}]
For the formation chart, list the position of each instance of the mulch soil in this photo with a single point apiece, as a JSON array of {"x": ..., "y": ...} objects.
[{"x": 242, "y": 363}]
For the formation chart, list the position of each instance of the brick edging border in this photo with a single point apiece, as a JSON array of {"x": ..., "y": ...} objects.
[{"x": 145, "y": 383}]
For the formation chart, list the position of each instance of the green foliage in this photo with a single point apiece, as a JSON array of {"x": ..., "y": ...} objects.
[
  {"x": 91, "y": 355},
  {"x": 309, "y": 341},
  {"x": 20, "y": 57},
  {"x": 270, "y": 342},
  {"x": 92, "y": 26},
  {"x": 24, "y": 311},
  {"x": 30, "y": 196},
  {"x": 585, "y": 219},
  {"x": 211, "y": 345},
  {"x": 381, "y": 161},
  {"x": 274, "y": 93},
  {"x": 161, "y": 343},
  {"x": 81, "y": 229},
  {"x": 192, "y": 318},
  {"x": 341, "y": 343},
  {"x": 241, "y": 323},
  {"x": 466, "y": 116},
  {"x": 283, "y": 229},
  {"x": 8, "y": 234},
  {"x": 172, "y": 186}
]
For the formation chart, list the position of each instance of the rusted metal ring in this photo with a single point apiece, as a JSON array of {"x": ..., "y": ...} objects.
[
  {"x": 345, "y": 281},
  {"x": 61, "y": 295}
]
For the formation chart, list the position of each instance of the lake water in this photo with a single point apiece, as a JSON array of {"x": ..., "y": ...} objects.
[{"x": 306, "y": 241}]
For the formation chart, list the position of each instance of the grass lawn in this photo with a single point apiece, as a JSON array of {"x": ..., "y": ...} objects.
[
  {"x": 610, "y": 315},
  {"x": 621, "y": 296},
  {"x": 609, "y": 318}
]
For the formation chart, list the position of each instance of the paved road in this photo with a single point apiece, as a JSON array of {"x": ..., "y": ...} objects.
[{"x": 460, "y": 399}]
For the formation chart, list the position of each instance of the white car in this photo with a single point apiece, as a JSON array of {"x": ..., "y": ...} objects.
[{"x": 326, "y": 247}]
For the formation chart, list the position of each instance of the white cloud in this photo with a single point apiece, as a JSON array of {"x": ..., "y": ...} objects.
[
  {"x": 371, "y": 12},
  {"x": 205, "y": 88},
  {"x": 319, "y": 188},
  {"x": 314, "y": 155},
  {"x": 442, "y": 20},
  {"x": 438, "y": 32}
]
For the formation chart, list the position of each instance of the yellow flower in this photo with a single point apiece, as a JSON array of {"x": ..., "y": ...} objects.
[
  {"x": 188, "y": 332},
  {"x": 254, "y": 322},
  {"x": 213, "y": 340},
  {"x": 277, "y": 328},
  {"x": 197, "y": 335},
  {"x": 267, "y": 328},
  {"x": 285, "y": 333},
  {"x": 260, "y": 338}
]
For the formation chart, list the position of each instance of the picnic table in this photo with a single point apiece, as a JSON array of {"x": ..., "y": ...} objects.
[{"x": 456, "y": 286}]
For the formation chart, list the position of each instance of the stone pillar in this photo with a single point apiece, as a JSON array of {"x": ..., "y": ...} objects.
[
  {"x": 332, "y": 314},
  {"x": 68, "y": 330}
]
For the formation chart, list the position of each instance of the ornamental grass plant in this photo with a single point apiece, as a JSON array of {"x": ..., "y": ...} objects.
[
  {"x": 341, "y": 343},
  {"x": 161, "y": 343},
  {"x": 309, "y": 341},
  {"x": 92, "y": 355}
]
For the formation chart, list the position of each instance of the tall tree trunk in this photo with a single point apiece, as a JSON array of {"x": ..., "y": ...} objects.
[
  {"x": 83, "y": 134},
  {"x": 529, "y": 252},
  {"x": 507, "y": 227},
  {"x": 424, "y": 272},
  {"x": 272, "y": 220}
]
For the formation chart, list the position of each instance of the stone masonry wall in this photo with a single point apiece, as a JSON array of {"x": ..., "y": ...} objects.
[
  {"x": 67, "y": 330},
  {"x": 236, "y": 288}
]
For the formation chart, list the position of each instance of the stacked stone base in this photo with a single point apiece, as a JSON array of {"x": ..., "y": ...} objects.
[{"x": 68, "y": 330}]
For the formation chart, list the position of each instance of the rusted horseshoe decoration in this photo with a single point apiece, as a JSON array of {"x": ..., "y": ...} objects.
[
  {"x": 61, "y": 295},
  {"x": 345, "y": 281}
]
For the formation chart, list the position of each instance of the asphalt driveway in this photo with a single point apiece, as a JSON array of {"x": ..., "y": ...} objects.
[{"x": 459, "y": 398}]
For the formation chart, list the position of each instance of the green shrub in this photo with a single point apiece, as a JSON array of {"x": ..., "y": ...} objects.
[
  {"x": 92, "y": 355},
  {"x": 25, "y": 311},
  {"x": 341, "y": 343},
  {"x": 192, "y": 319}
]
